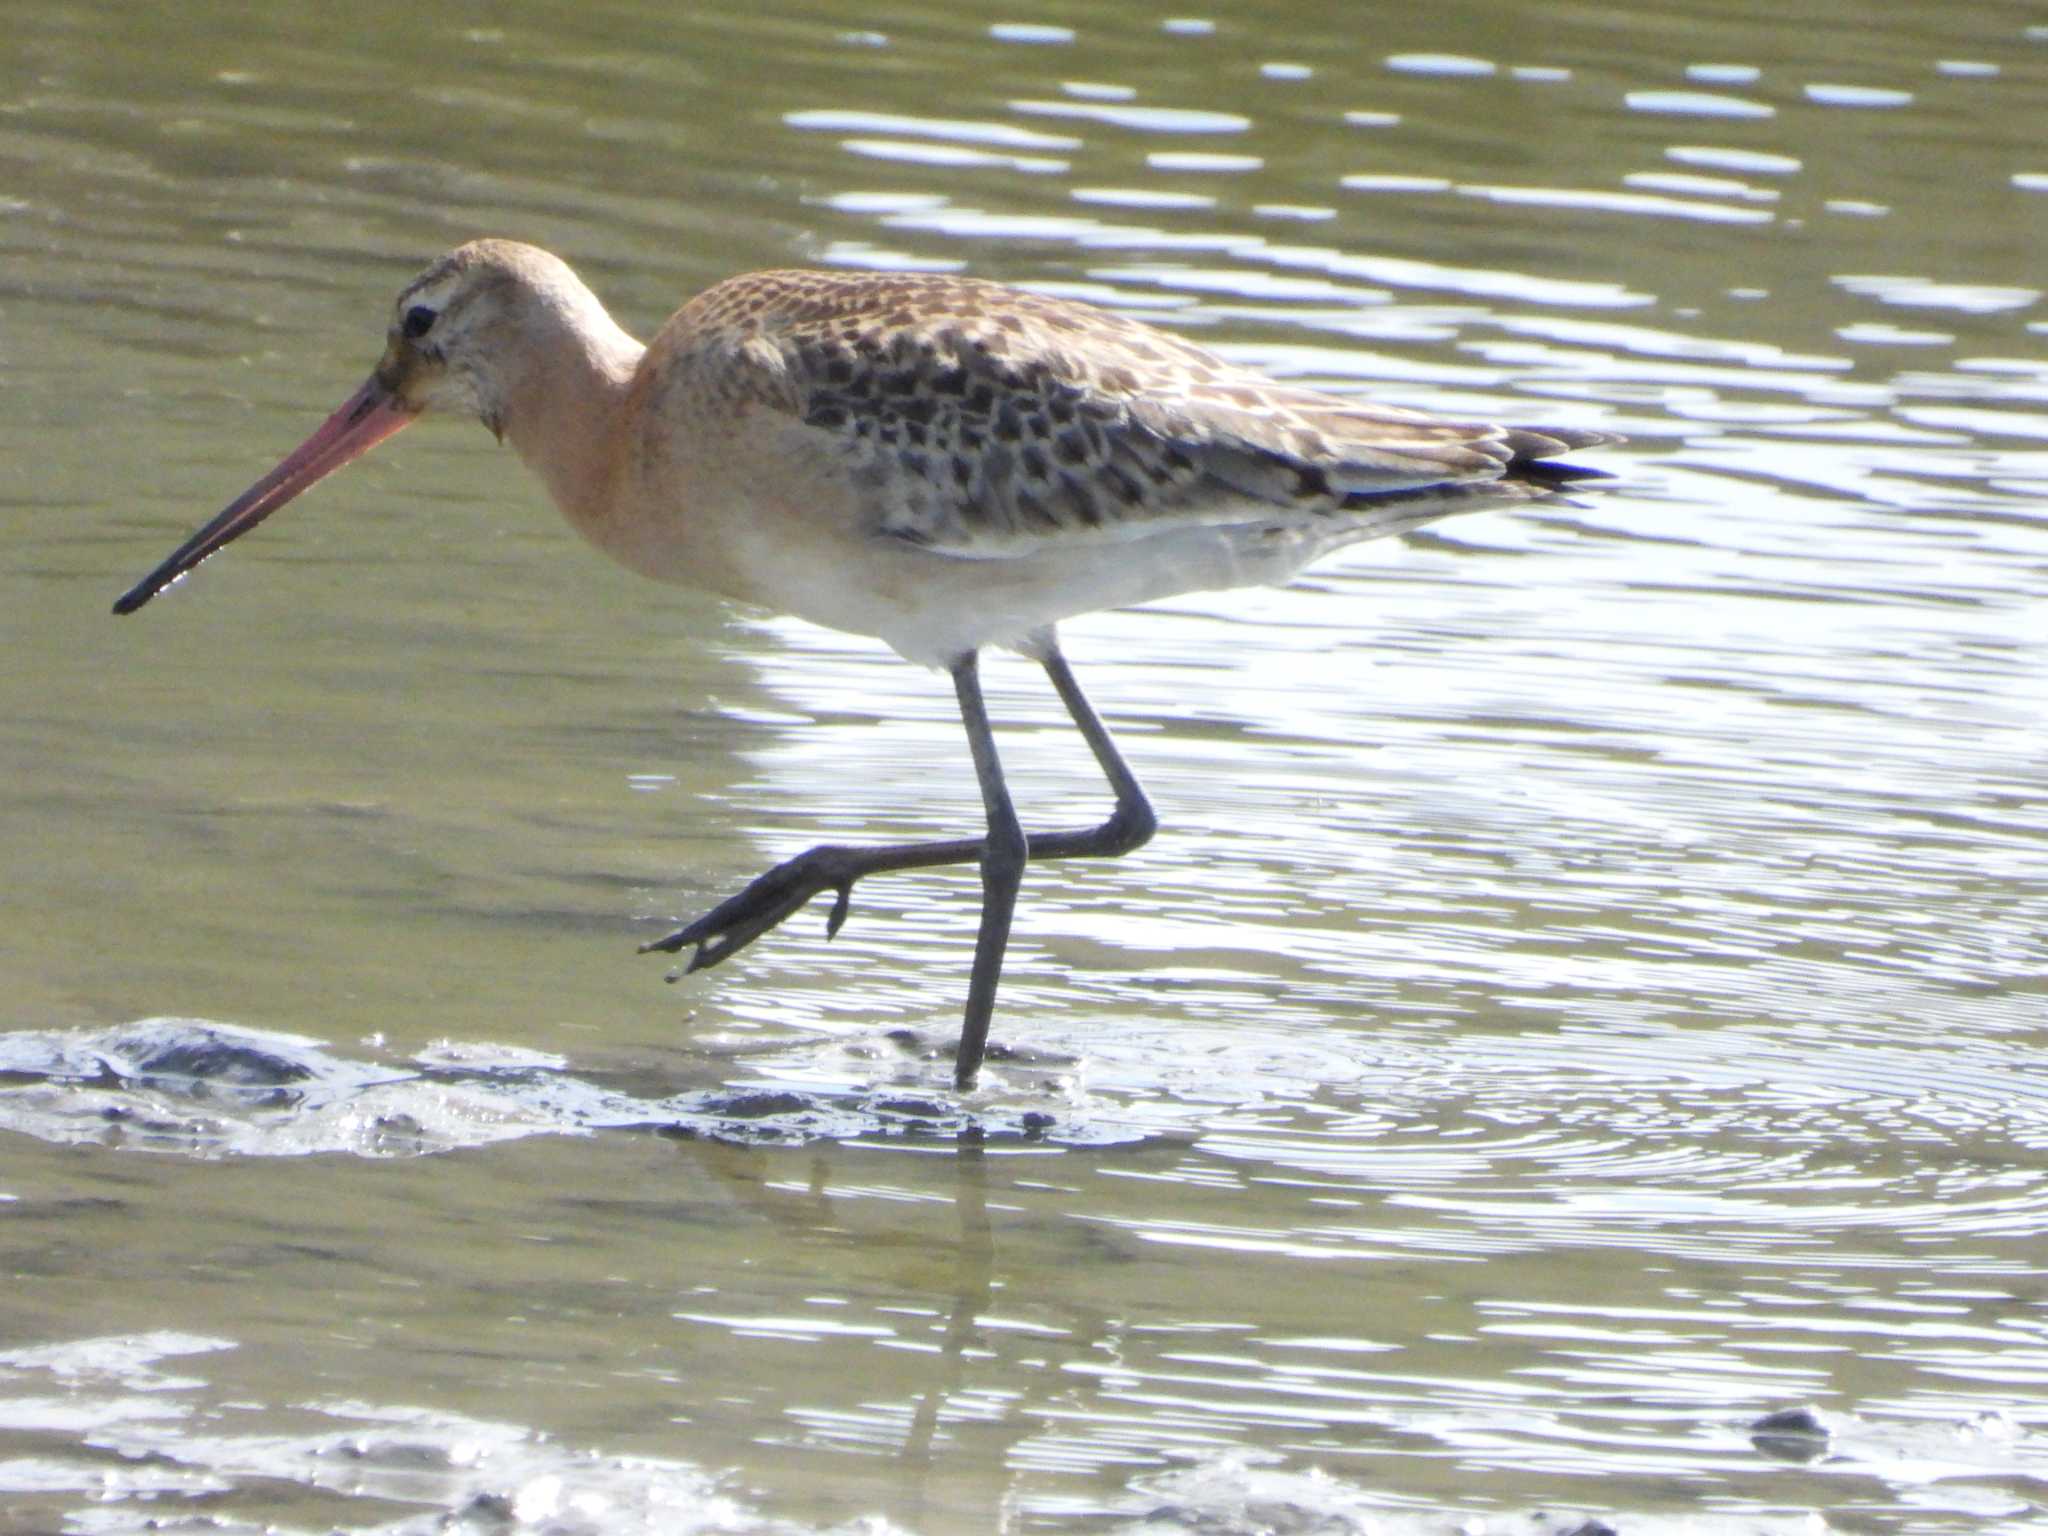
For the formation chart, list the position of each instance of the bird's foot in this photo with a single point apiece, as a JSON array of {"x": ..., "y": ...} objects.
[{"x": 737, "y": 921}]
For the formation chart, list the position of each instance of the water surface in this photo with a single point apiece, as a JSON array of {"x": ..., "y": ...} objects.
[{"x": 1588, "y": 994}]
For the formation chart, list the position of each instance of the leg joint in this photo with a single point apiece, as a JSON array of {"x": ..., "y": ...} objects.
[
  {"x": 1005, "y": 851},
  {"x": 1131, "y": 825}
]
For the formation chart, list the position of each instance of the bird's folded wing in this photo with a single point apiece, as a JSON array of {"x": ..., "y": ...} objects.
[{"x": 1000, "y": 431}]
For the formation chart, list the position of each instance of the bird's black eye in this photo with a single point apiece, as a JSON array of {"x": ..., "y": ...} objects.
[{"x": 418, "y": 321}]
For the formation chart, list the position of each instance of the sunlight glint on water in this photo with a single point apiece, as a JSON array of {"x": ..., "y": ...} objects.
[{"x": 1587, "y": 992}]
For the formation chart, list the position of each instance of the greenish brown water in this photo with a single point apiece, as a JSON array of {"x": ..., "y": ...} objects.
[{"x": 1589, "y": 989}]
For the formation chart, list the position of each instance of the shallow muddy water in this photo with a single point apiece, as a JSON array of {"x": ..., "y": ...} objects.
[{"x": 1589, "y": 994}]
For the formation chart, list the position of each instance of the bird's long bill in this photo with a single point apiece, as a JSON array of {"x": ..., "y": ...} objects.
[{"x": 369, "y": 416}]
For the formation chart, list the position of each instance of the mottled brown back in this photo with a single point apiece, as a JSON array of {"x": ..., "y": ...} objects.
[{"x": 980, "y": 419}]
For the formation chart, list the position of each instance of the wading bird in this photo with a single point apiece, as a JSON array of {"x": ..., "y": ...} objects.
[{"x": 942, "y": 463}]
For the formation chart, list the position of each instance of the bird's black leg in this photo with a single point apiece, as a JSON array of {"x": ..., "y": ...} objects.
[
  {"x": 1132, "y": 823},
  {"x": 739, "y": 920},
  {"x": 1003, "y": 854}
]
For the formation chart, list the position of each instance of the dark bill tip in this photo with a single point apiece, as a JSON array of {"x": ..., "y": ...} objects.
[{"x": 368, "y": 416}]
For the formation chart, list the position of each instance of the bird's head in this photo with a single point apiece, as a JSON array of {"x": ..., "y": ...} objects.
[
  {"x": 458, "y": 335},
  {"x": 461, "y": 329}
]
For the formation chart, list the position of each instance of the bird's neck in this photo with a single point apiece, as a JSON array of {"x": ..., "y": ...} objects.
[{"x": 563, "y": 415}]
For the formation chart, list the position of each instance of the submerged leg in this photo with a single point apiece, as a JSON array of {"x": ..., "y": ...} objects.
[
  {"x": 1002, "y": 868},
  {"x": 739, "y": 920}
]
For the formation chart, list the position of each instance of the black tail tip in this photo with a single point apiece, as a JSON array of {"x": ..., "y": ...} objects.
[{"x": 1544, "y": 473}]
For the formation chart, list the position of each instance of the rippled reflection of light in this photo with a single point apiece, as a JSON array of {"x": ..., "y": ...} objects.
[
  {"x": 1395, "y": 182},
  {"x": 1619, "y": 202},
  {"x": 950, "y": 155},
  {"x": 1449, "y": 64},
  {"x": 1702, "y": 186},
  {"x": 1754, "y": 162},
  {"x": 995, "y": 135},
  {"x": 1857, "y": 96},
  {"x": 1030, "y": 32},
  {"x": 1140, "y": 197},
  {"x": 1925, "y": 293},
  {"x": 1095, "y": 90},
  {"x": 1697, "y": 104},
  {"x": 1143, "y": 119},
  {"x": 1723, "y": 74},
  {"x": 1188, "y": 160}
]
